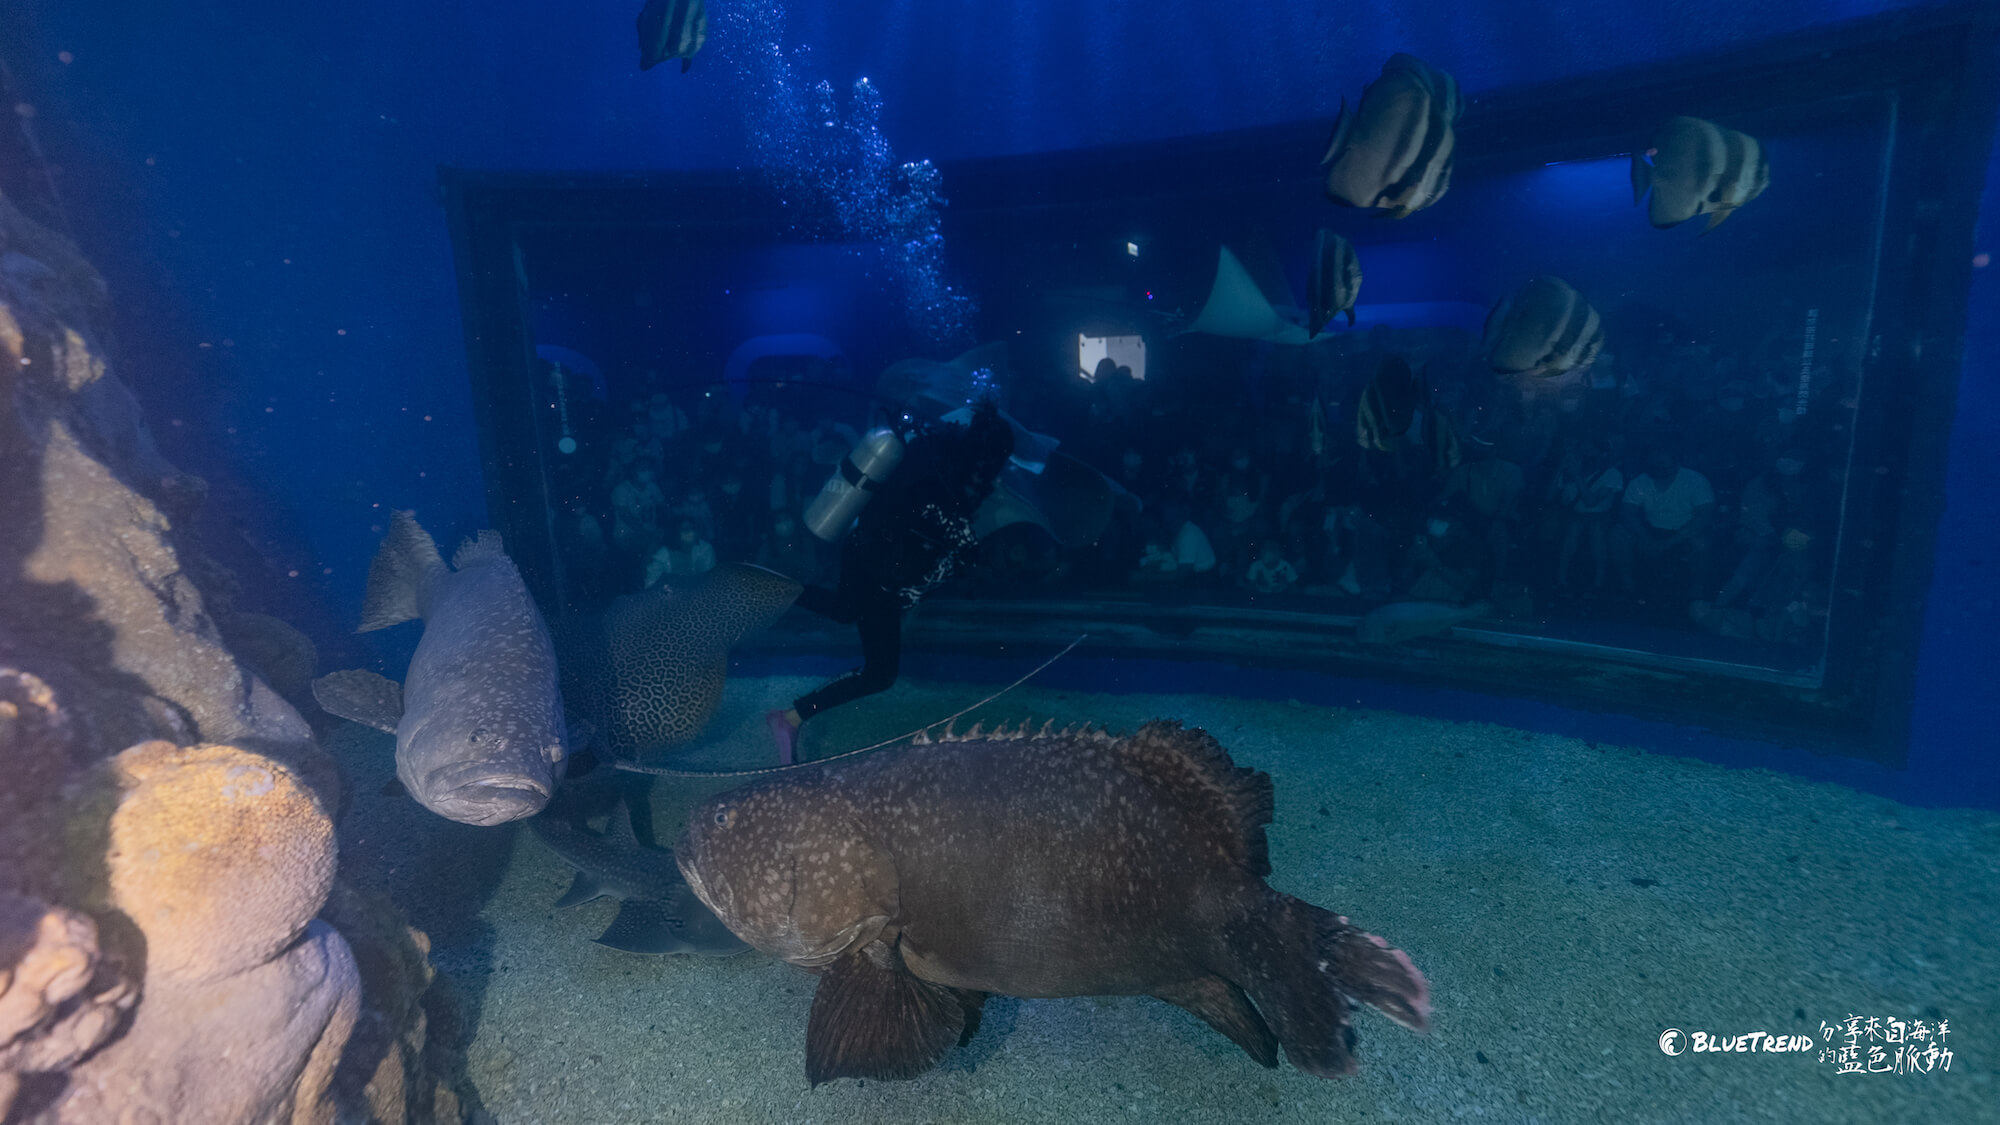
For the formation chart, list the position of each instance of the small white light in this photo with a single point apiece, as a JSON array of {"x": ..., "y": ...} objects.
[{"x": 1132, "y": 249}]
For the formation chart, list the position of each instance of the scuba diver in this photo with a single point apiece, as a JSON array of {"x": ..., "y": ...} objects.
[{"x": 914, "y": 532}]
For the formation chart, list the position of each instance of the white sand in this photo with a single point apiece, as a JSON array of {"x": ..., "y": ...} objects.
[{"x": 1502, "y": 861}]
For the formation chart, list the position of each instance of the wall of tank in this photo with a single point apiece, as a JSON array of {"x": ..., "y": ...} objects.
[{"x": 259, "y": 185}]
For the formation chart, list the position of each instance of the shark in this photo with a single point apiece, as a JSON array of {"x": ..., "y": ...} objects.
[{"x": 659, "y": 913}]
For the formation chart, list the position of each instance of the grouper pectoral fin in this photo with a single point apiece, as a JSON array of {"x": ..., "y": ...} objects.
[
  {"x": 1223, "y": 1006},
  {"x": 871, "y": 1018},
  {"x": 362, "y": 696}
]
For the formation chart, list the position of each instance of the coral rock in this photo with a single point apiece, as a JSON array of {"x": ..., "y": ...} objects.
[
  {"x": 220, "y": 856},
  {"x": 283, "y": 656},
  {"x": 254, "y": 1048},
  {"x": 392, "y": 1065},
  {"x": 58, "y": 999},
  {"x": 92, "y": 583},
  {"x": 35, "y": 748}
]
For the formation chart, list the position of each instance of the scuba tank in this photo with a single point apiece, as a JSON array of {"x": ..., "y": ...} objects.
[{"x": 853, "y": 484}]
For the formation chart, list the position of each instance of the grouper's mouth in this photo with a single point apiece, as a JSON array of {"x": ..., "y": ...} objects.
[{"x": 473, "y": 794}]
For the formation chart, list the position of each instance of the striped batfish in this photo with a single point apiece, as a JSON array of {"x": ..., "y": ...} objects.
[
  {"x": 1336, "y": 280},
  {"x": 1542, "y": 329},
  {"x": 1395, "y": 151},
  {"x": 1396, "y": 411},
  {"x": 672, "y": 29},
  {"x": 1698, "y": 168}
]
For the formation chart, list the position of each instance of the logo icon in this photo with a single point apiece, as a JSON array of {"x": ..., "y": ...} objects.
[{"x": 1672, "y": 1041}]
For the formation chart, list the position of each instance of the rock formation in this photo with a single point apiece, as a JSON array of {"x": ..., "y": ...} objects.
[{"x": 174, "y": 943}]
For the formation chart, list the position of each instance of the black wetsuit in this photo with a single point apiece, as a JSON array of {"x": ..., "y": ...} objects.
[{"x": 912, "y": 537}]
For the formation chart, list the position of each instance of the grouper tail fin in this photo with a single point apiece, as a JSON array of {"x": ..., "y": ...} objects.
[
  {"x": 1305, "y": 968},
  {"x": 404, "y": 568}
]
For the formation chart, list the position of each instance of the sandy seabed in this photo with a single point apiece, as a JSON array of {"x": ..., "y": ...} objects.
[{"x": 1568, "y": 901}]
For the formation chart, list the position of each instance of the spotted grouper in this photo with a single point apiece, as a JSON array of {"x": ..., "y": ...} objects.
[
  {"x": 480, "y": 734},
  {"x": 919, "y": 880}
]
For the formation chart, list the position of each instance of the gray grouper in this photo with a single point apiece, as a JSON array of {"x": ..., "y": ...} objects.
[{"x": 480, "y": 735}]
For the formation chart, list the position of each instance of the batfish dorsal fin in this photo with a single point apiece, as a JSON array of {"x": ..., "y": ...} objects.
[
  {"x": 872, "y": 1019},
  {"x": 362, "y": 696},
  {"x": 402, "y": 571},
  {"x": 1341, "y": 124},
  {"x": 1196, "y": 767}
]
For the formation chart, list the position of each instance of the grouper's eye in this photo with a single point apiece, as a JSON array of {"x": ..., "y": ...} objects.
[{"x": 725, "y": 817}]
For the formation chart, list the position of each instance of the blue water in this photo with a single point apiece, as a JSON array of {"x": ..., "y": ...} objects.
[
  {"x": 206, "y": 147},
  {"x": 259, "y": 185}
]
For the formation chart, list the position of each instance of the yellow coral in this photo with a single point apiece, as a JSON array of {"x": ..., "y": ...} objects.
[{"x": 220, "y": 856}]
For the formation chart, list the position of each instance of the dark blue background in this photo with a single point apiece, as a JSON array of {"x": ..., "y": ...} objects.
[{"x": 258, "y": 182}]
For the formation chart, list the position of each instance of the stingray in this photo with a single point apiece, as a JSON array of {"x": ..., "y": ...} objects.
[
  {"x": 932, "y": 387},
  {"x": 648, "y": 671},
  {"x": 1068, "y": 499},
  {"x": 1238, "y": 307}
]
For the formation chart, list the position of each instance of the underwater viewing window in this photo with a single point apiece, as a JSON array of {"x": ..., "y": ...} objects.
[
  {"x": 1800, "y": 360},
  {"x": 1128, "y": 352}
]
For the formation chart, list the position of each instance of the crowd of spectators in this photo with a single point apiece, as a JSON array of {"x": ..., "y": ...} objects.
[{"x": 1672, "y": 483}]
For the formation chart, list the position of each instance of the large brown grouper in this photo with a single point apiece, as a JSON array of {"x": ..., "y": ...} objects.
[{"x": 916, "y": 881}]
